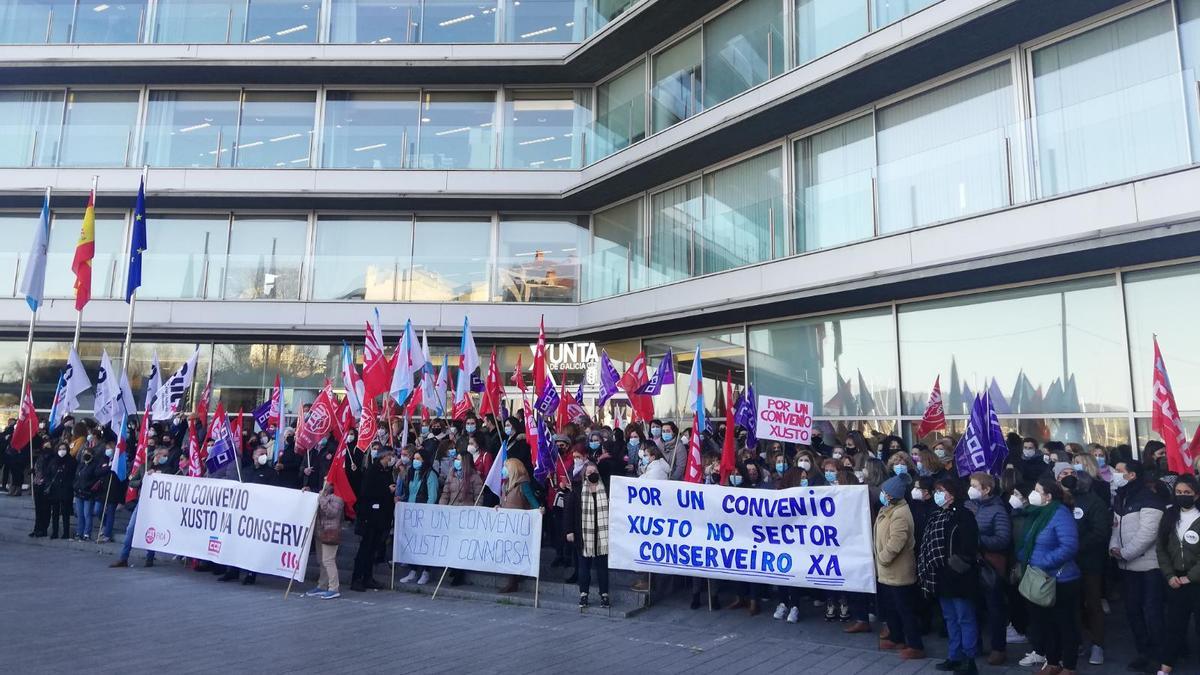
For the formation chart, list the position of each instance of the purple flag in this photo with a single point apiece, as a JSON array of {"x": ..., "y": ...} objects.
[
  {"x": 547, "y": 400},
  {"x": 579, "y": 393},
  {"x": 745, "y": 415},
  {"x": 547, "y": 453},
  {"x": 608, "y": 379},
  {"x": 503, "y": 412},
  {"x": 262, "y": 415},
  {"x": 476, "y": 382},
  {"x": 982, "y": 447},
  {"x": 664, "y": 374}
]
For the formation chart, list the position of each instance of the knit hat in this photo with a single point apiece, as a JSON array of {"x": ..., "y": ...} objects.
[
  {"x": 895, "y": 487},
  {"x": 1060, "y": 467}
]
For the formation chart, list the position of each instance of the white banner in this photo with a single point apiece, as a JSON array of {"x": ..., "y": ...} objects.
[
  {"x": 784, "y": 419},
  {"x": 254, "y": 527},
  {"x": 505, "y": 541},
  {"x": 817, "y": 537}
]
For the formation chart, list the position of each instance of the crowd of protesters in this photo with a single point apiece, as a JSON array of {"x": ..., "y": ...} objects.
[{"x": 1026, "y": 561}]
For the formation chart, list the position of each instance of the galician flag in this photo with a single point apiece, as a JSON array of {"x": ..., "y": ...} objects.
[
  {"x": 493, "y": 481},
  {"x": 351, "y": 381},
  {"x": 408, "y": 361},
  {"x": 33, "y": 281},
  {"x": 695, "y": 399},
  {"x": 85, "y": 252},
  {"x": 120, "y": 459}
]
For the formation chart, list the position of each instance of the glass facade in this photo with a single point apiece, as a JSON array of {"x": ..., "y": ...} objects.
[
  {"x": 276, "y": 130},
  {"x": 620, "y": 111},
  {"x": 824, "y": 25},
  {"x": 744, "y": 221},
  {"x": 191, "y": 128},
  {"x": 98, "y": 128},
  {"x": 544, "y": 129},
  {"x": 370, "y": 130},
  {"x": 677, "y": 74},
  {"x": 375, "y": 21},
  {"x": 457, "y": 130},
  {"x": 107, "y": 265},
  {"x": 16, "y": 238},
  {"x": 30, "y": 124},
  {"x": 1152, "y": 308},
  {"x": 265, "y": 256},
  {"x": 458, "y": 273},
  {"x": 185, "y": 257},
  {"x": 743, "y": 47},
  {"x": 539, "y": 259},
  {"x": 617, "y": 263},
  {"x": 544, "y": 20},
  {"x": 835, "y": 181},
  {"x": 459, "y": 21},
  {"x": 674, "y": 213},
  {"x": 358, "y": 258}
]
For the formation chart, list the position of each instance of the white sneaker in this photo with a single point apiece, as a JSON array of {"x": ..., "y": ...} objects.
[
  {"x": 1032, "y": 659},
  {"x": 1097, "y": 658},
  {"x": 1104, "y": 606},
  {"x": 409, "y": 578},
  {"x": 794, "y": 615},
  {"x": 1012, "y": 637},
  {"x": 780, "y": 611},
  {"x": 424, "y": 579}
]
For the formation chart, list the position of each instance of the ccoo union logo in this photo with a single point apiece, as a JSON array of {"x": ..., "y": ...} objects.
[
  {"x": 289, "y": 560},
  {"x": 214, "y": 545},
  {"x": 161, "y": 537}
]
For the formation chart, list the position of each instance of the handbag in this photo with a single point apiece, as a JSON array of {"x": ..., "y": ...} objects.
[{"x": 1037, "y": 587}]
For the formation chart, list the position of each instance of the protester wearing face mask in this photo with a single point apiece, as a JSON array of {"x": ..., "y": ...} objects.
[
  {"x": 995, "y": 541},
  {"x": 114, "y": 494},
  {"x": 896, "y": 571},
  {"x": 60, "y": 480},
  {"x": 587, "y": 531},
  {"x": 330, "y": 513},
  {"x": 1138, "y": 511},
  {"x": 518, "y": 493},
  {"x": 745, "y": 594},
  {"x": 652, "y": 465},
  {"x": 633, "y": 447},
  {"x": 261, "y": 472},
  {"x": 87, "y": 486},
  {"x": 464, "y": 487},
  {"x": 423, "y": 488},
  {"x": 899, "y": 463},
  {"x": 1178, "y": 545},
  {"x": 374, "y": 511},
  {"x": 947, "y": 569},
  {"x": 1093, "y": 519},
  {"x": 674, "y": 450},
  {"x": 1050, "y": 543}
]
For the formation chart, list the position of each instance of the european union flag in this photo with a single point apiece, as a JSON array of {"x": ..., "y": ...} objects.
[{"x": 137, "y": 244}]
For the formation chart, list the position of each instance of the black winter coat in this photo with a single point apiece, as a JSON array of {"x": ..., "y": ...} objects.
[
  {"x": 60, "y": 477},
  {"x": 964, "y": 555},
  {"x": 376, "y": 503}
]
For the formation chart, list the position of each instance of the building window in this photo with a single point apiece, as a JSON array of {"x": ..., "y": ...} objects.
[
  {"x": 722, "y": 355},
  {"x": 282, "y": 21},
  {"x": 538, "y": 259},
  {"x": 620, "y": 111},
  {"x": 265, "y": 257},
  {"x": 375, "y": 21},
  {"x": 678, "y": 83},
  {"x": 1152, "y": 307},
  {"x": 191, "y": 128},
  {"x": 945, "y": 153},
  {"x": 16, "y": 237},
  {"x": 544, "y": 129},
  {"x": 206, "y": 22},
  {"x": 743, "y": 47},
  {"x": 544, "y": 20},
  {"x": 884, "y": 12},
  {"x": 370, "y": 130},
  {"x": 602, "y": 12},
  {"x": 825, "y": 25},
  {"x": 674, "y": 213},
  {"x": 457, "y": 130},
  {"x": 99, "y": 128},
  {"x": 106, "y": 265},
  {"x": 36, "y": 21},
  {"x": 30, "y": 124},
  {"x": 744, "y": 221},
  {"x": 109, "y": 22},
  {"x": 362, "y": 258},
  {"x": 617, "y": 263},
  {"x": 276, "y": 131},
  {"x": 835, "y": 200},
  {"x": 459, "y": 21},
  {"x": 1110, "y": 103},
  {"x": 845, "y": 364},
  {"x": 185, "y": 257},
  {"x": 1040, "y": 350},
  {"x": 451, "y": 273}
]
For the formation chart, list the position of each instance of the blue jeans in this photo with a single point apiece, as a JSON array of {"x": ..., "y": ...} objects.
[
  {"x": 84, "y": 508},
  {"x": 127, "y": 546},
  {"x": 961, "y": 627},
  {"x": 106, "y": 523}
]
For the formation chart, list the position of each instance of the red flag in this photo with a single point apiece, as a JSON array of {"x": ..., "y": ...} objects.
[
  {"x": 518, "y": 379},
  {"x": 375, "y": 375},
  {"x": 563, "y": 416},
  {"x": 368, "y": 425},
  {"x": 139, "y": 457},
  {"x": 27, "y": 421},
  {"x": 343, "y": 419},
  {"x": 201, "y": 409},
  {"x": 194, "y": 460},
  {"x": 694, "y": 473},
  {"x": 539, "y": 357},
  {"x": 728, "y": 459},
  {"x": 235, "y": 430},
  {"x": 414, "y": 402},
  {"x": 492, "y": 390},
  {"x": 635, "y": 376},
  {"x": 463, "y": 405},
  {"x": 1165, "y": 418},
  {"x": 337, "y": 469},
  {"x": 318, "y": 422},
  {"x": 935, "y": 413}
]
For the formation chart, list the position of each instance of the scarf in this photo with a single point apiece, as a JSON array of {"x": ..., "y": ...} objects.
[
  {"x": 935, "y": 549},
  {"x": 1040, "y": 518},
  {"x": 595, "y": 521}
]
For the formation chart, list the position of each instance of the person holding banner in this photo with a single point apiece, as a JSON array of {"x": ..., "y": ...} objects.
[
  {"x": 896, "y": 571},
  {"x": 587, "y": 530},
  {"x": 422, "y": 488},
  {"x": 261, "y": 473},
  {"x": 464, "y": 487},
  {"x": 947, "y": 570}
]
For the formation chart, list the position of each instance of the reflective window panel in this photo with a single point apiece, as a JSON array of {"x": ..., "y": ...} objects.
[
  {"x": 945, "y": 153},
  {"x": 1042, "y": 349},
  {"x": 265, "y": 256},
  {"x": 834, "y": 194},
  {"x": 200, "y": 21},
  {"x": 375, "y": 21},
  {"x": 743, "y": 220},
  {"x": 539, "y": 257},
  {"x": 1152, "y": 306},
  {"x": 544, "y": 20},
  {"x": 191, "y": 128},
  {"x": 722, "y": 354},
  {"x": 30, "y": 124},
  {"x": 282, "y": 21},
  {"x": 617, "y": 263},
  {"x": 545, "y": 129},
  {"x": 99, "y": 128},
  {"x": 109, "y": 22},
  {"x": 457, "y": 130},
  {"x": 884, "y": 12},
  {"x": 824, "y": 25},
  {"x": 674, "y": 213},
  {"x": 845, "y": 364},
  {"x": 601, "y": 12},
  {"x": 254, "y": 367},
  {"x": 1109, "y": 103},
  {"x": 360, "y": 258},
  {"x": 276, "y": 131},
  {"x": 620, "y": 111},
  {"x": 35, "y": 21},
  {"x": 459, "y": 21},
  {"x": 678, "y": 83},
  {"x": 370, "y": 129},
  {"x": 16, "y": 238},
  {"x": 185, "y": 256},
  {"x": 450, "y": 260},
  {"x": 108, "y": 269},
  {"x": 743, "y": 47}
]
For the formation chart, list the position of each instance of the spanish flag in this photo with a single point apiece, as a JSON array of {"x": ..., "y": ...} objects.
[{"x": 85, "y": 251}]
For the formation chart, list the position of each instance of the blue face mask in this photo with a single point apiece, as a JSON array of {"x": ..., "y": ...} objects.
[
  {"x": 1078, "y": 468},
  {"x": 507, "y": 430},
  {"x": 939, "y": 498},
  {"x": 453, "y": 452},
  {"x": 634, "y": 444},
  {"x": 655, "y": 431},
  {"x": 470, "y": 428},
  {"x": 668, "y": 436},
  {"x": 594, "y": 445},
  {"x": 458, "y": 465},
  {"x": 780, "y": 467},
  {"x": 735, "y": 480},
  {"x": 830, "y": 476},
  {"x": 1100, "y": 461},
  {"x": 803, "y": 482},
  {"x": 504, "y": 472},
  {"x": 417, "y": 463},
  {"x": 883, "y": 498},
  {"x": 900, "y": 469}
]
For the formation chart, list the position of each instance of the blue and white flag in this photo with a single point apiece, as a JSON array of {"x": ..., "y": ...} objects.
[
  {"x": 123, "y": 402},
  {"x": 102, "y": 409},
  {"x": 120, "y": 460},
  {"x": 494, "y": 478},
  {"x": 153, "y": 381},
  {"x": 170, "y": 394},
  {"x": 33, "y": 281},
  {"x": 982, "y": 447},
  {"x": 695, "y": 399},
  {"x": 73, "y": 382}
]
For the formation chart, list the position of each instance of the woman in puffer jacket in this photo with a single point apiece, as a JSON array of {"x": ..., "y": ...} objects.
[
  {"x": 1179, "y": 560},
  {"x": 1050, "y": 542}
]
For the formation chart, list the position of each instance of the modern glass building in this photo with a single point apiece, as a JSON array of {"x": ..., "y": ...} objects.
[{"x": 841, "y": 201}]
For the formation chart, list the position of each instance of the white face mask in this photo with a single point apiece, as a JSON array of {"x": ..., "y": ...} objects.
[
  {"x": 837, "y": 455},
  {"x": 1015, "y": 502},
  {"x": 1036, "y": 498},
  {"x": 262, "y": 460},
  {"x": 860, "y": 475},
  {"x": 1119, "y": 480},
  {"x": 917, "y": 495},
  {"x": 974, "y": 493},
  {"x": 108, "y": 452},
  {"x": 62, "y": 453},
  {"x": 804, "y": 464}
]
